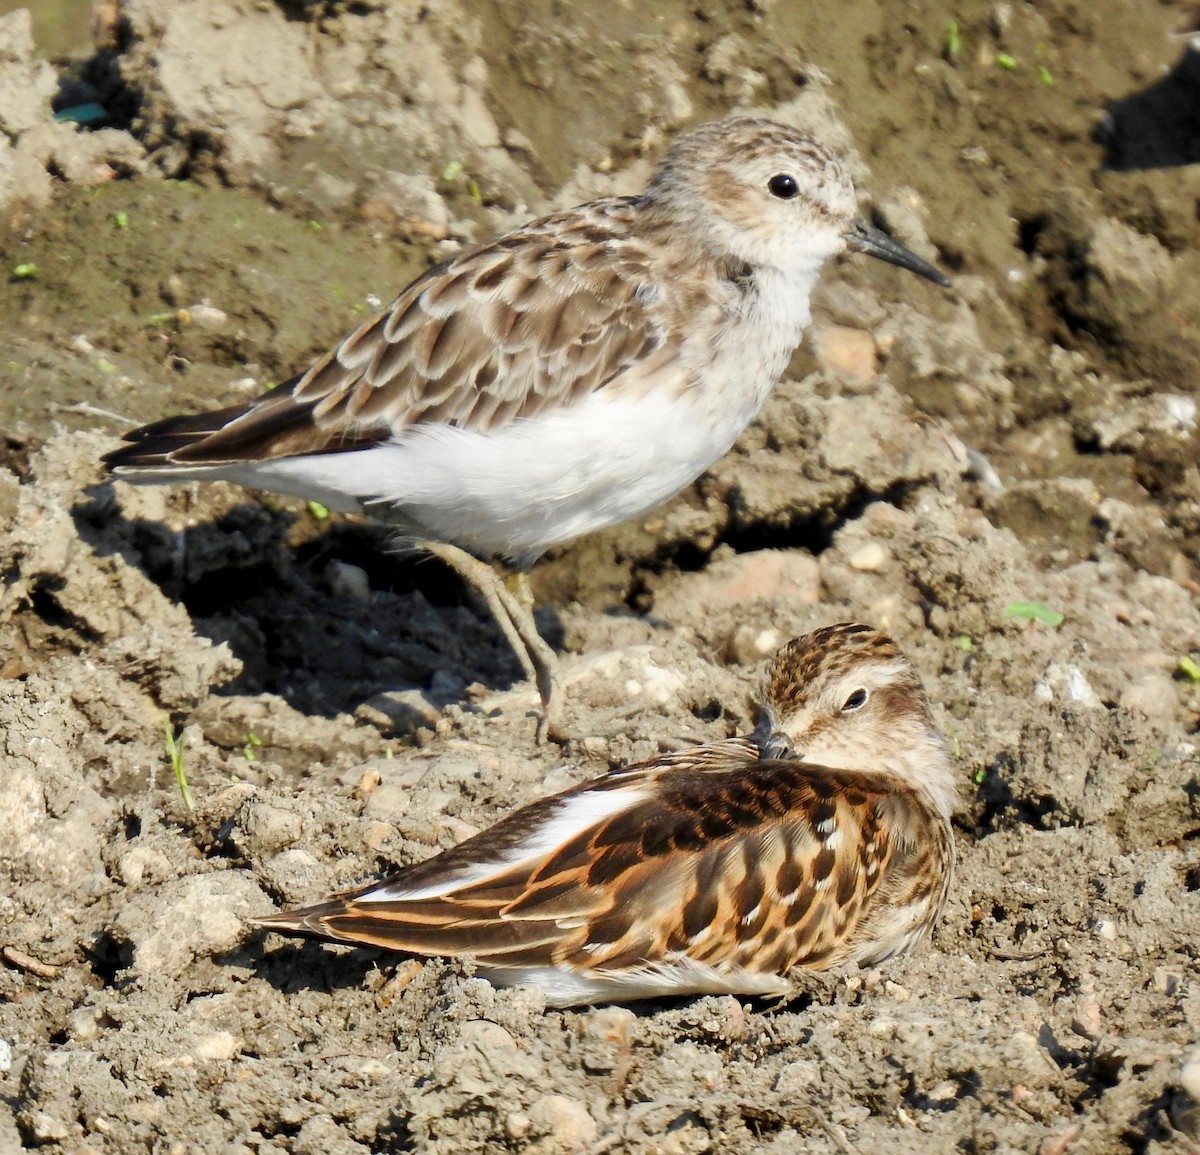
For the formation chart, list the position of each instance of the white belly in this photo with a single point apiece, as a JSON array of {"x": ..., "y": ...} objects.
[{"x": 533, "y": 484}]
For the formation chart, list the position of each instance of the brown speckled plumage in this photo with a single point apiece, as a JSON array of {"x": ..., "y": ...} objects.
[{"x": 708, "y": 870}]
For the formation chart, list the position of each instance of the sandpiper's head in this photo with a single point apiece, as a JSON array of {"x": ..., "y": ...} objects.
[
  {"x": 769, "y": 195},
  {"x": 845, "y": 697}
]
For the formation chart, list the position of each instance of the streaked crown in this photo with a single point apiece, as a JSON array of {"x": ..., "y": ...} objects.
[
  {"x": 763, "y": 192},
  {"x": 846, "y": 697}
]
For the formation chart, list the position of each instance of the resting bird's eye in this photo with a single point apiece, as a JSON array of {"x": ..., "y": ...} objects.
[
  {"x": 855, "y": 702},
  {"x": 783, "y": 186}
]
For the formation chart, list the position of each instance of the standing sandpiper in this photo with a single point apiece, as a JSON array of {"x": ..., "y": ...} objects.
[
  {"x": 572, "y": 374},
  {"x": 716, "y": 870}
]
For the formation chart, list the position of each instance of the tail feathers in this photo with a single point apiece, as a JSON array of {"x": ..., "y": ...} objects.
[
  {"x": 492, "y": 940},
  {"x": 161, "y": 442},
  {"x": 306, "y": 920},
  {"x": 272, "y": 426}
]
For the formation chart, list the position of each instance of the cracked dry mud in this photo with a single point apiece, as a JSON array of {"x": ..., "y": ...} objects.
[{"x": 931, "y": 461}]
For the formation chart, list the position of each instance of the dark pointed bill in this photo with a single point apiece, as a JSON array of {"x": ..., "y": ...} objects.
[
  {"x": 776, "y": 745},
  {"x": 868, "y": 239}
]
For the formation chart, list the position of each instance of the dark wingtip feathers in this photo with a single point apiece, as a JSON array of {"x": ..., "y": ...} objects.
[
  {"x": 305, "y": 920},
  {"x": 164, "y": 443}
]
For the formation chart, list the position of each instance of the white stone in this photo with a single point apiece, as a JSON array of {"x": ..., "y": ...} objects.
[{"x": 868, "y": 558}]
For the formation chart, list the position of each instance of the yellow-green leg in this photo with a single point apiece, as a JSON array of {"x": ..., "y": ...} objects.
[{"x": 513, "y": 610}]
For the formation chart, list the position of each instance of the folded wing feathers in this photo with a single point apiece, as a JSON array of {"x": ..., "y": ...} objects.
[{"x": 489, "y": 337}]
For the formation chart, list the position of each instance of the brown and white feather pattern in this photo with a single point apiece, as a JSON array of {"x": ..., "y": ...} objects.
[
  {"x": 533, "y": 320},
  {"x": 710, "y": 870}
]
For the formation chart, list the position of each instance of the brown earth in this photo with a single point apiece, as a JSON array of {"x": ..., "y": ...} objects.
[{"x": 933, "y": 461}]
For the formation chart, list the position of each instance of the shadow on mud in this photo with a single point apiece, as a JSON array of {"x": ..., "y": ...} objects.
[{"x": 326, "y": 617}]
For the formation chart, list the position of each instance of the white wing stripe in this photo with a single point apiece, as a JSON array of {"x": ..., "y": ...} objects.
[{"x": 576, "y": 814}]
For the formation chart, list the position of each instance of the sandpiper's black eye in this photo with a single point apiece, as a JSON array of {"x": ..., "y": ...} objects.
[
  {"x": 856, "y": 701},
  {"x": 783, "y": 186}
]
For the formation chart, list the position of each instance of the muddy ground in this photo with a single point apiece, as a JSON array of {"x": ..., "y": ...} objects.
[{"x": 957, "y": 467}]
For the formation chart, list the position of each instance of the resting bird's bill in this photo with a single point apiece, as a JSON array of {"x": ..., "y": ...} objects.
[
  {"x": 721, "y": 869},
  {"x": 568, "y": 376}
]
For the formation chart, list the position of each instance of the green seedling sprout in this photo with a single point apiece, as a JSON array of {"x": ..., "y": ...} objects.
[
  {"x": 252, "y": 746},
  {"x": 1006, "y": 61},
  {"x": 24, "y": 271},
  {"x": 317, "y": 511},
  {"x": 1044, "y": 76},
  {"x": 953, "y": 41},
  {"x": 454, "y": 172},
  {"x": 175, "y": 755},
  {"x": 121, "y": 219},
  {"x": 980, "y": 776},
  {"x": 1034, "y": 612},
  {"x": 965, "y": 644},
  {"x": 1189, "y": 668}
]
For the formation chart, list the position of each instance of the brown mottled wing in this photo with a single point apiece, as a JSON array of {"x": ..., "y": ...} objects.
[
  {"x": 776, "y": 865},
  {"x": 731, "y": 861},
  {"x": 536, "y": 318}
]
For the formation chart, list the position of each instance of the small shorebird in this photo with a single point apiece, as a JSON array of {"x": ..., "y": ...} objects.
[
  {"x": 710, "y": 871},
  {"x": 573, "y": 374}
]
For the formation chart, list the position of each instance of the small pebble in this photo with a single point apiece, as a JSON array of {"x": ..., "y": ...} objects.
[
  {"x": 1086, "y": 1019},
  {"x": 1066, "y": 682},
  {"x": 846, "y": 353},
  {"x": 487, "y": 1036},
  {"x": 45, "y": 1128},
  {"x": 377, "y": 834},
  {"x": 295, "y": 872},
  {"x": 143, "y": 864},
  {"x": 220, "y": 1045},
  {"x": 271, "y": 827},
  {"x": 399, "y": 711},
  {"x": 563, "y": 1125},
  {"x": 868, "y": 558},
  {"x": 83, "y": 1023},
  {"x": 946, "y": 1090},
  {"x": 1059, "y": 1144},
  {"x": 347, "y": 581},
  {"x": 370, "y": 780},
  {"x": 1189, "y": 1076},
  {"x": 797, "y": 1076},
  {"x": 606, "y": 1038},
  {"x": 208, "y": 318}
]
